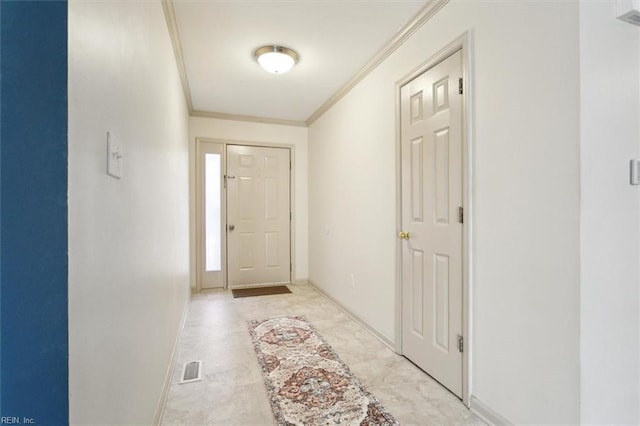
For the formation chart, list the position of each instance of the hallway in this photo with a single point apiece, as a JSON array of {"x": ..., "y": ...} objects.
[
  {"x": 98, "y": 267},
  {"x": 232, "y": 391}
]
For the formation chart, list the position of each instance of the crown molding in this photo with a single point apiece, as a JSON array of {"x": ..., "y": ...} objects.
[
  {"x": 249, "y": 118},
  {"x": 426, "y": 13},
  {"x": 405, "y": 32},
  {"x": 174, "y": 35}
]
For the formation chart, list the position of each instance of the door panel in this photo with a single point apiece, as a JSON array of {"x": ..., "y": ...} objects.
[
  {"x": 417, "y": 280},
  {"x": 258, "y": 202},
  {"x": 432, "y": 192}
]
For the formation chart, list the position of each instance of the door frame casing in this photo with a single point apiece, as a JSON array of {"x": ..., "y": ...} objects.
[
  {"x": 461, "y": 43},
  {"x": 199, "y": 205},
  {"x": 198, "y": 212}
]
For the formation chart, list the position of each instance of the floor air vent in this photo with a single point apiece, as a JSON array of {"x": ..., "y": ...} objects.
[
  {"x": 191, "y": 372},
  {"x": 632, "y": 17}
]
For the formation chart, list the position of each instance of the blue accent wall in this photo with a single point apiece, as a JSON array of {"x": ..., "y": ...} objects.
[{"x": 33, "y": 212}]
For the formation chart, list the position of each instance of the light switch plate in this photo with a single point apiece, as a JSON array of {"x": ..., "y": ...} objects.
[
  {"x": 634, "y": 172},
  {"x": 114, "y": 157}
]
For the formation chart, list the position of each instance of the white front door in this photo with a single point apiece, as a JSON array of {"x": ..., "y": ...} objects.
[
  {"x": 432, "y": 194},
  {"x": 258, "y": 216}
]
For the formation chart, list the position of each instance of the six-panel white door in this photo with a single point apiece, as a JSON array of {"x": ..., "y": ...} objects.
[
  {"x": 432, "y": 194},
  {"x": 258, "y": 216}
]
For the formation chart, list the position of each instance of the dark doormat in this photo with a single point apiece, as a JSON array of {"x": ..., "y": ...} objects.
[{"x": 260, "y": 291}]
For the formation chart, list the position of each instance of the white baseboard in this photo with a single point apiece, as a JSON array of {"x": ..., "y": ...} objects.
[
  {"x": 162, "y": 402},
  {"x": 384, "y": 339},
  {"x": 487, "y": 413}
]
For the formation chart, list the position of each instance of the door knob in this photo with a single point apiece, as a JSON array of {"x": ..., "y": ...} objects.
[
  {"x": 404, "y": 235},
  {"x": 231, "y": 227}
]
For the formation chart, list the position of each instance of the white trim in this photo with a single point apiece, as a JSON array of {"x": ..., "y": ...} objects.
[
  {"x": 427, "y": 12},
  {"x": 174, "y": 35},
  {"x": 468, "y": 181},
  {"x": 248, "y": 118},
  {"x": 162, "y": 401},
  {"x": 398, "y": 283},
  {"x": 487, "y": 413},
  {"x": 384, "y": 339},
  {"x": 459, "y": 44},
  {"x": 199, "y": 214},
  {"x": 292, "y": 206}
]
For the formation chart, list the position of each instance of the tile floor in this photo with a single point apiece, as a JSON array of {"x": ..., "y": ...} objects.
[{"x": 232, "y": 391}]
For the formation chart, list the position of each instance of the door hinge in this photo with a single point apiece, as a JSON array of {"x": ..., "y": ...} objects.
[
  {"x": 460, "y": 85},
  {"x": 290, "y": 216},
  {"x": 290, "y": 267},
  {"x": 460, "y": 215},
  {"x": 460, "y": 343}
]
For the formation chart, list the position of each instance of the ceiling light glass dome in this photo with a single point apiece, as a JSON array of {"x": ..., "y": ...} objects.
[{"x": 276, "y": 59}]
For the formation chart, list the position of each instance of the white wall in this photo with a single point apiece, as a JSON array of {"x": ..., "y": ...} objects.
[
  {"x": 247, "y": 132},
  {"x": 610, "y": 208},
  {"x": 525, "y": 200},
  {"x": 129, "y": 238}
]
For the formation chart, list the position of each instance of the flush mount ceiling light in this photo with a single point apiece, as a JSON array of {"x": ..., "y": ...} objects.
[{"x": 275, "y": 59}]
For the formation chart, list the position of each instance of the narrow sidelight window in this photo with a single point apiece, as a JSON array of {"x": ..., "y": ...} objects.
[{"x": 213, "y": 202}]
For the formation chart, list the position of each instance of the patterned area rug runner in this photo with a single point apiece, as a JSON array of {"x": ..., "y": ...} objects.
[{"x": 307, "y": 382}]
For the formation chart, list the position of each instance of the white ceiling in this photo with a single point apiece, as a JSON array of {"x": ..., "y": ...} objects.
[{"x": 335, "y": 40}]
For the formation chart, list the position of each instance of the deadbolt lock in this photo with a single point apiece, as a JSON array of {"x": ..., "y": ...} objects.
[{"x": 404, "y": 235}]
